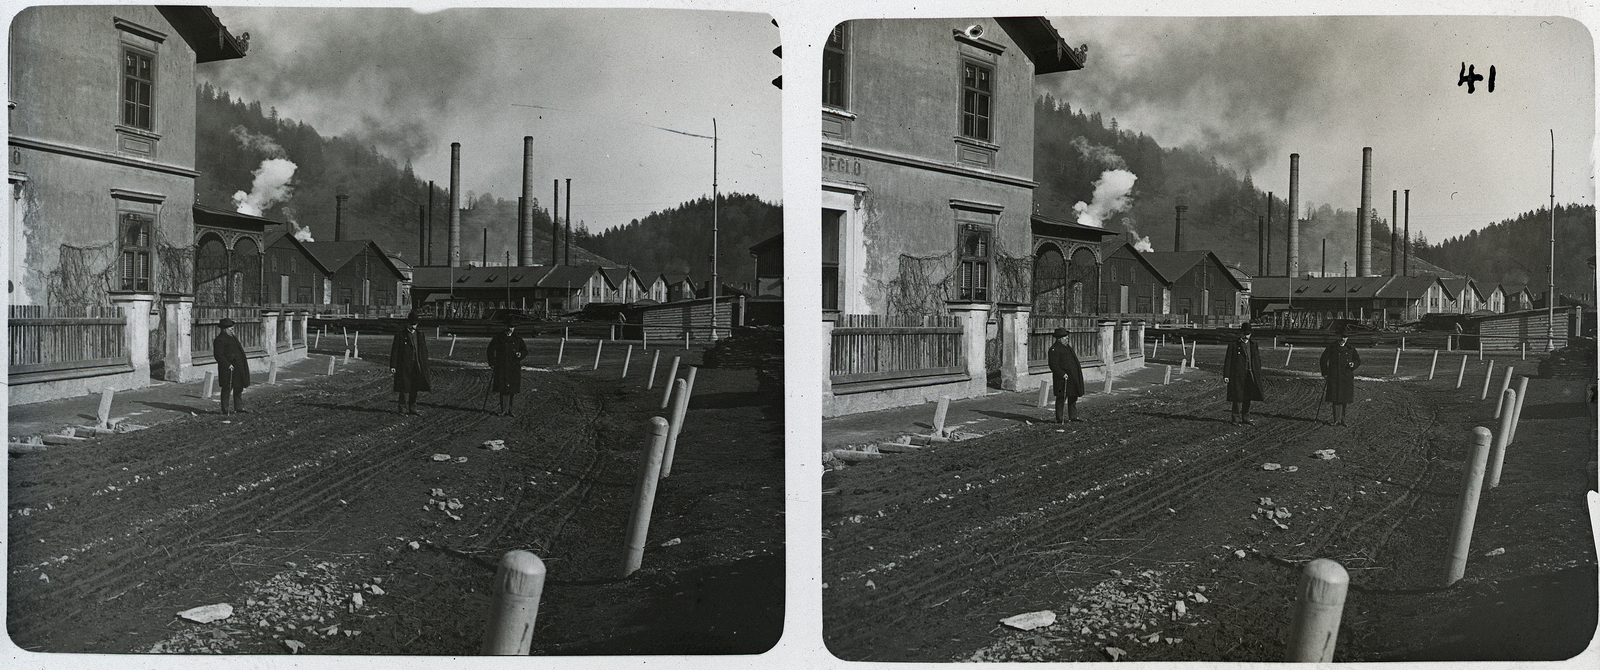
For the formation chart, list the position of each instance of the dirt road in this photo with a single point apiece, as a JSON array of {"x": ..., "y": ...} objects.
[
  {"x": 330, "y": 526},
  {"x": 1159, "y": 501}
]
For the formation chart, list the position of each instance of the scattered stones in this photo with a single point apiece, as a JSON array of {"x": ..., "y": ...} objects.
[
  {"x": 441, "y": 458},
  {"x": 1495, "y": 552},
  {"x": 1324, "y": 454},
  {"x": 672, "y": 542},
  {"x": 1270, "y": 466},
  {"x": 494, "y": 445},
  {"x": 208, "y": 613}
]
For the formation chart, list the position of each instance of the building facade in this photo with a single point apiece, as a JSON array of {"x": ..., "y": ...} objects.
[{"x": 927, "y": 161}]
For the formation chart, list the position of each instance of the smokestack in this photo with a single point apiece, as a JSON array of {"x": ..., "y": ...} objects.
[
  {"x": 455, "y": 204},
  {"x": 569, "y": 221},
  {"x": 525, "y": 217},
  {"x": 1364, "y": 217},
  {"x": 1261, "y": 246},
  {"x": 428, "y": 257},
  {"x": 338, "y": 216},
  {"x": 422, "y": 233},
  {"x": 1266, "y": 244},
  {"x": 1405, "y": 258},
  {"x": 1324, "y": 256},
  {"x": 555, "y": 222},
  {"x": 1294, "y": 216},
  {"x": 1394, "y": 233},
  {"x": 485, "y": 247},
  {"x": 1177, "y": 228}
]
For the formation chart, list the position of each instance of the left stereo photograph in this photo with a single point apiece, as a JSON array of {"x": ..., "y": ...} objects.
[{"x": 394, "y": 332}]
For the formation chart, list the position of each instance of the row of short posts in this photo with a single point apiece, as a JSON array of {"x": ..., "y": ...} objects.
[
  {"x": 1324, "y": 583},
  {"x": 519, "y": 579}
]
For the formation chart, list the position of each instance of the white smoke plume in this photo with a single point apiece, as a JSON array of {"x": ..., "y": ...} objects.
[
  {"x": 1098, "y": 154},
  {"x": 1140, "y": 243},
  {"x": 1110, "y": 197},
  {"x": 259, "y": 142},
  {"x": 271, "y": 186},
  {"x": 302, "y": 233}
]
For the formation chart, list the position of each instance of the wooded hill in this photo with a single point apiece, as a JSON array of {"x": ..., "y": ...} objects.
[
  {"x": 1517, "y": 251},
  {"x": 1074, "y": 148},
  {"x": 679, "y": 239},
  {"x": 387, "y": 199}
]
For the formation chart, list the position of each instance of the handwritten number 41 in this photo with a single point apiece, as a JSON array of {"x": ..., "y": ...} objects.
[{"x": 1469, "y": 77}]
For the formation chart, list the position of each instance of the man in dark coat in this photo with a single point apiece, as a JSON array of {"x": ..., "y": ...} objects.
[
  {"x": 506, "y": 352},
  {"x": 408, "y": 362},
  {"x": 1066, "y": 375},
  {"x": 233, "y": 369},
  {"x": 1241, "y": 372},
  {"x": 1338, "y": 365}
]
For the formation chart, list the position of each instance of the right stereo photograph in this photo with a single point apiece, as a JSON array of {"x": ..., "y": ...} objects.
[{"x": 1131, "y": 358}]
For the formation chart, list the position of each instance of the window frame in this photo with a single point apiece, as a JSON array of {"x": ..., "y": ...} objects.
[
  {"x": 137, "y": 276},
  {"x": 130, "y": 108},
  {"x": 968, "y": 119},
  {"x": 836, "y": 51},
  {"x": 974, "y": 271}
]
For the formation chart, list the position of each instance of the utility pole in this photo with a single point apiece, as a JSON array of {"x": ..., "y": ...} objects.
[
  {"x": 714, "y": 280},
  {"x": 1550, "y": 306}
]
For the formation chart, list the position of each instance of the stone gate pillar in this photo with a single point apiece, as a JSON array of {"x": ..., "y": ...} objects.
[
  {"x": 178, "y": 311},
  {"x": 1014, "y": 347},
  {"x": 1107, "y": 355},
  {"x": 136, "y": 311},
  {"x": 974, "y": 319}
]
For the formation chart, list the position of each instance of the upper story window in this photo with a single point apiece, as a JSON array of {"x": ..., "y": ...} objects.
[
  {"x": 138, "y": 84},
  {"x": 833, "y": 68},
  {"x": 977, "y": 94}
]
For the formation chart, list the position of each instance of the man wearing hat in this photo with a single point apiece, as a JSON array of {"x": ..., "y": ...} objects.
[
  {"x": 1066, "y": 375},
  {"x": 506, "y": 352},
  {"x": 408, "y": 362},
  {"x": 1338, "y": 364},
  {"x": 233, "y": 369},
  {"x": 1241, "y": 372}
]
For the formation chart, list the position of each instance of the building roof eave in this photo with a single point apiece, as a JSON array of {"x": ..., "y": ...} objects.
[{"x": 1043, "y": 45}]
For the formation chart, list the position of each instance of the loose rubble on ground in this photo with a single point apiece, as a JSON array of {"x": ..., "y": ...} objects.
[
  {"x": 1118, "y": 618},
  {"x": 294, "y": 610}
]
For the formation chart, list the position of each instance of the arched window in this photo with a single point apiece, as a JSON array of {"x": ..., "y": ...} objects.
[
  {"x": 1049, "y": 281},
  {"x": 1083, "y": 272},
  {"x": 211, "y": 271},
  {"x": 246, "y": 272}
]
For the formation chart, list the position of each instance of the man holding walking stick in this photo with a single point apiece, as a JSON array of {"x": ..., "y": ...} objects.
[{"x": 1066, "y": 375}]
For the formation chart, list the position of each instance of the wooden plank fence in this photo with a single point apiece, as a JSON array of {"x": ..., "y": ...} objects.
[
  {"x": 1084, "y": 337},
  {"x": 248, "y": 327},
  {"x": 871, "y": 347},
  {"x": 46, "y": 339},
  {"x": 671, "y": 320}
]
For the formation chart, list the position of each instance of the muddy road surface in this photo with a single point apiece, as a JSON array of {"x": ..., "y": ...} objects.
[
  {"x": 332, "y": 525},
  {"x": 1157, "y": 531}
]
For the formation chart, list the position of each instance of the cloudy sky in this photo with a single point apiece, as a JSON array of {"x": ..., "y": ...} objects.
[
  {"x": 600, "y": 91},
  {"x": 1253, "y": 90}
]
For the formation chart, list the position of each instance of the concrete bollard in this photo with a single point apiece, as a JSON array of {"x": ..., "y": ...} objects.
[
  {"x": 438, "y": 332},
  {"x": 1290, "y": 357},
  {"x": 357, "y": 347},
  {"x": 626, "y": 361},
  {"x": 653, "y": 362},
  {"x": 1155, "y": 347},
  {"x": 613, "y": 332},
  {"x": 686, "y": 338},
  {"x": 1524, "y": 351},
  {"x": 1402, "y": 343},
  {"x": 645, "y": 334},
  {"x": 1044, "y": 393},
  {"x": 1274, "y": 342},
  {"x": 1314, "y": 628},
  {"x": 1462, "y": 375},
  {"x": 1516, "y": 411},
  {"x": 1503, "y": 386},
  {"x": 1167, "y": 378},
  {"x": 1488, "y": 376},
  {"x": 666, "y": 388},
  {"x": 452, "y": 346},
  {"x": 1502, "y": 437},
  {"x": 561, "y": 350},
  {"x": 644, "y": 497},
  {"x": 1467, "y": 506},
  {"x": 103, "y": 415},
  {"x": 210, "y": 383},
  {"x": 272, "y": 371},
  {"x": 682, "y": 412},
  {"x": 1107, "y": 388},
  {"x": 565, "y": 332},
  {"x": 346, "y": 333},
  {"x": 1480, "y": 348},
  {"x": 518, "y": 585},
  {"x": 346, "y": 356},
  {"x": 1396, "y": 369},
  {"x": 318, "y": 343},
  {"x": 332, "y": 360},
  {"x": 939, "y": 414},
  {"x": 598, "y": 345},
  {"x": 1434, "y": 365}
]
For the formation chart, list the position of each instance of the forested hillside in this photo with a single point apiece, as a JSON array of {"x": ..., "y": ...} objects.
[
  {"x": 679, "y": 239},
  {"x": 284, "y": 170},
  {"x": 1083, "y": 158},
  {"x": 1517, "y": 251}
]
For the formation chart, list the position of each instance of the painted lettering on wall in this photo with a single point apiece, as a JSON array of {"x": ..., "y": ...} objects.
[{"x": 841, "y": 165}]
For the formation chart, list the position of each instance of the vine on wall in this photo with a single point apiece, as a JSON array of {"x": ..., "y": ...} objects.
[{"x": 83, "y": 275}]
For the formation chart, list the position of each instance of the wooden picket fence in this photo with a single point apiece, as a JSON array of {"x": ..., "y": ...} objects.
[
  {"x": 1084, "y": 337},
  {"x": 48, "y": 339},
  {"x": 871, "y": 347},
  {"x": 248, "y": 327}
]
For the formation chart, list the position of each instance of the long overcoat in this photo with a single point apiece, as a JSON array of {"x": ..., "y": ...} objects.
[
  {"x": 1242, "y": 366},
  {"x": 1338, "y": 366},
  {"x": 505, "y": 361},
  {"x": 409, "y": 358},
  {"x": 233, "y": 368},
  {"x": 1066, "y": 373}
]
